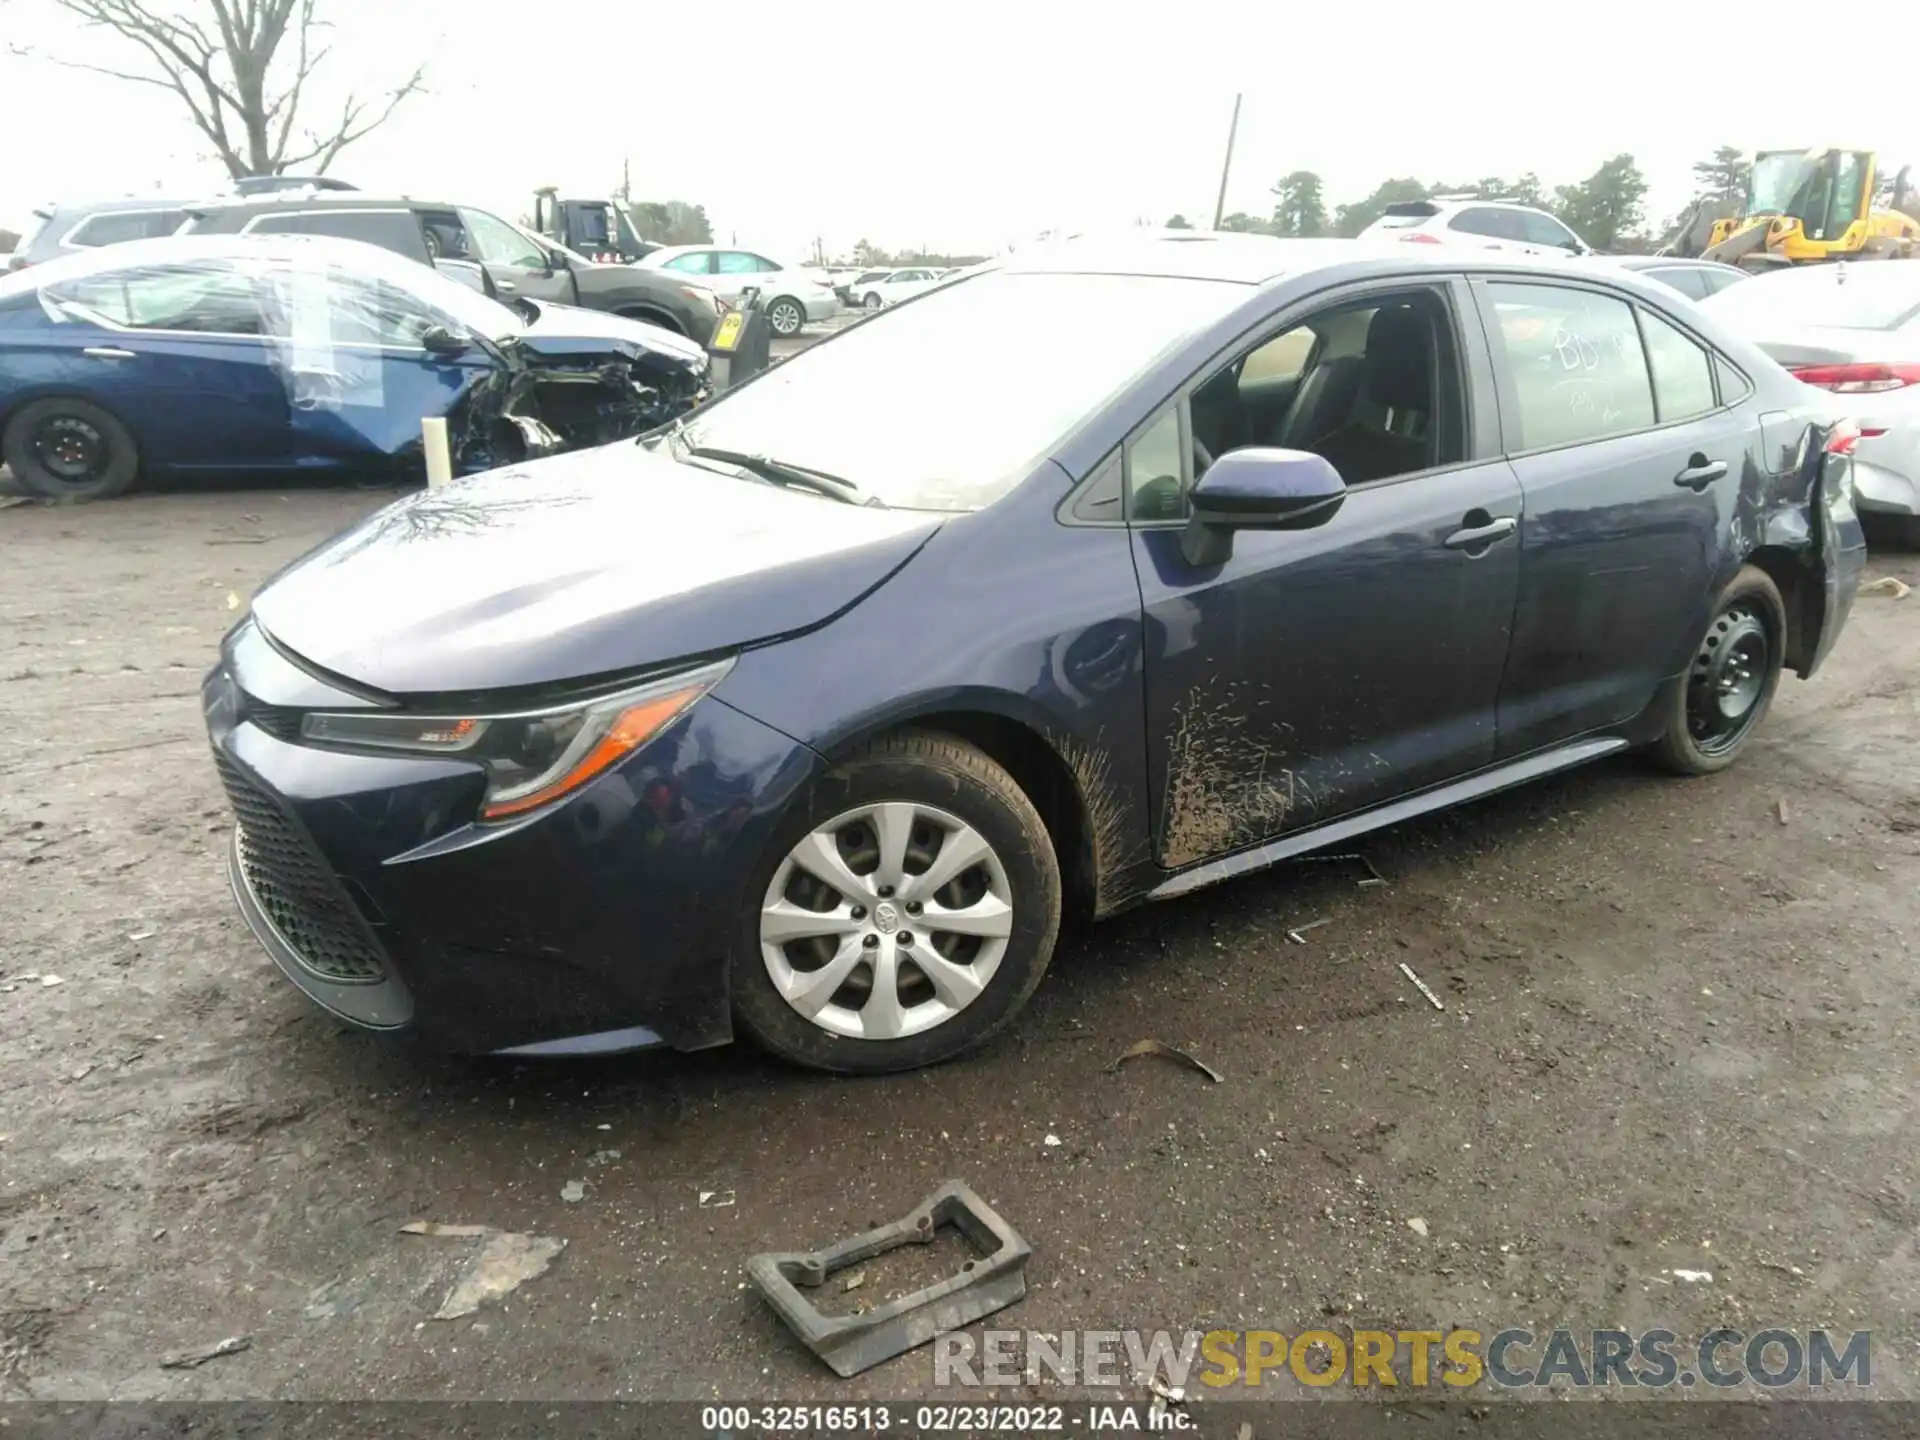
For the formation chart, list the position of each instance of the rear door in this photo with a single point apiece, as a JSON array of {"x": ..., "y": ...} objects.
[
  {"x": 179, "y": 352},
  {"x": 1631, "y": 461}
]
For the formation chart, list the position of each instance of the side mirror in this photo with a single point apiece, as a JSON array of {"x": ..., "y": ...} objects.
[
  {"x": 439, "y": 340},
  {"x": 1258, "y": 489},
  {"x": 557, "y": 260}
]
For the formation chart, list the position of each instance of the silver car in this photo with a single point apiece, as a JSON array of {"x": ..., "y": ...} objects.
[{"x": 1852, "y": 330}]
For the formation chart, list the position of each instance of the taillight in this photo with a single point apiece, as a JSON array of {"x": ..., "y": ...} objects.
[
  {"x": 1418, "y": 237},
  {"x": 1858, "y": 379},
  {"x": 1842, "y": 438}
]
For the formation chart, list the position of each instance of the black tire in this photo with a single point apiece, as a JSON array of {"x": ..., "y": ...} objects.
[
  {"x": 1902, "y": 531},
  {"x": 1702, "y": 736},
  {"x": 936, "y": 771},
  {"x": 43, "y": 434},
  {"x": 872, "y": 301},
  {"x": 786, "y": 317}
]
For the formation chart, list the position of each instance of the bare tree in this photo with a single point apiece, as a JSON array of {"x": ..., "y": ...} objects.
[{"x": 241, "y": 67}]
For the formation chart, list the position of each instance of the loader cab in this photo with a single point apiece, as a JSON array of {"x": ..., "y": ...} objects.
[{"x": 1827, "y": 191}]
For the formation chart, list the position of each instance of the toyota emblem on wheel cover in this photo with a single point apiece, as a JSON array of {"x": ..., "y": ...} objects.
[{"x": 886, "y": 919}]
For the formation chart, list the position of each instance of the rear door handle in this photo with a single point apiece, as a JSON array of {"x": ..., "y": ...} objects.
[
  {"x": 1486, "y": 534},
  {"x": 1700, "y": 473},
  {"x": 107, "y": 352}
]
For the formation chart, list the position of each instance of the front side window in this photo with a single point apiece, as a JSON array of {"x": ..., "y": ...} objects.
[
  {"x": 700, "y": 263},
  {"x": 495, "y": 242},
  {"x": 208, "y": 297},
  {"x": 1579, "y": 372},
  {"x": 1544, "y": 230},
  {"x": 1682, "y": 371}
]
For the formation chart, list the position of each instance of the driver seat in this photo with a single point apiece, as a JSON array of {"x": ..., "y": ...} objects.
[{"x": 1390, "y": 431}]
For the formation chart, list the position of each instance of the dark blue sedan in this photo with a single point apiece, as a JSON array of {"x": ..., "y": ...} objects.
[
  {"x": 261, "y": 353},
  {"x": 1095, "y": 576}
]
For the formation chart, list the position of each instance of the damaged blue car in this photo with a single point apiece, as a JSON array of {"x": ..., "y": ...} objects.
[
  {"x": 300, "y": 353},
  {"x": 811, "y": 714}
]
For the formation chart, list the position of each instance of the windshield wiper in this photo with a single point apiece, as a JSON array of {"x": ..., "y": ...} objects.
[{"x": 781, "y": 472}]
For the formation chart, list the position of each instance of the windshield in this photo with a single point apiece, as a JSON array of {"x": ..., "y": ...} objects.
[
  {"x": 945, "y": 403},
  {"x": 1844, "y": 297},
  {"x": 1776, "y": 179}
]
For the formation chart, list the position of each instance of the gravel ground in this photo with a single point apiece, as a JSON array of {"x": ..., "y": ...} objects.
[{"x": 1679, "y": 1034}]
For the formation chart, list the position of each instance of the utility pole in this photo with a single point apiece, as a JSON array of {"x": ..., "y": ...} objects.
[
  {"x": 1226, "y": 166},
  {"x": 626, "y": 181}
]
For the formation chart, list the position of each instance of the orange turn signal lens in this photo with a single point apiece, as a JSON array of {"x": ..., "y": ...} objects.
[{"x": 631, "y": 728}]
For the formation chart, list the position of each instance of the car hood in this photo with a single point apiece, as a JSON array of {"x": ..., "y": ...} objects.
[
  {"x": 598, "y": 563},
  {"x": 568, "y": 333}
]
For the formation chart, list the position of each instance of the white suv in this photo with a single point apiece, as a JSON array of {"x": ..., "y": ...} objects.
[{"x": 1478, "y": 224}]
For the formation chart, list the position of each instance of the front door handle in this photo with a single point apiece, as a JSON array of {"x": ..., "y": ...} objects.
[
  {"x": 1474, "y": 536},
  {"x": 1700, "y": 472},
  {"x": 107, "y": 352},
  {"x": 508, "y": 285}
]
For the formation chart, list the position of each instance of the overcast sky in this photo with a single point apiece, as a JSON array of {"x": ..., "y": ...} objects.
[{"x": 962, "y": 128}]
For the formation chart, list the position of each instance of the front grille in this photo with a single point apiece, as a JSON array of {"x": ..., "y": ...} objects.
[{"x": 297, "y": 889}]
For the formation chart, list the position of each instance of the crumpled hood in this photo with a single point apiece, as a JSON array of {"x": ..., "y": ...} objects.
[
  {"x": 571, "y": 333},
  {"x": 599, "y": 562}
]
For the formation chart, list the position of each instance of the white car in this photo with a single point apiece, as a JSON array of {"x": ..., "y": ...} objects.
[
  {"x": 1477, "y": 225},
  {"x": 895, "y": 286},
  {"x": 790, "y": 296},
  {"x": 1852, "y": 330}
]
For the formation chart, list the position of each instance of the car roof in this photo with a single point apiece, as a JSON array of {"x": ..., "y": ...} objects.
[
  {"x": 312, "y": 200},
  {"x": 1661, "y": 262},
  {"x": 369, "y": 260}
]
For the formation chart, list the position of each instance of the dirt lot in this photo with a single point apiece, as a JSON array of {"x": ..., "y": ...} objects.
[{"x": 1679, "y": 1034}]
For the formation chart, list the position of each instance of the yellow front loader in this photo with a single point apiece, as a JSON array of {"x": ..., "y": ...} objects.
[{"x": 1807, "y": 206}]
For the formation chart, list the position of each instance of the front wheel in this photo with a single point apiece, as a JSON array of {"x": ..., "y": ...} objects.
[
  {"x": 905, "y": 910},
  {"x": 70, "y": 449},
  {"x": 785, "y": 317},
  {"x": 1713, "y": 710}
]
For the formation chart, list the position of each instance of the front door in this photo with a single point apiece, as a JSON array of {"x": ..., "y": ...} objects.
[
  {"x": 1319, "y": 672},
  {"x": 1631, "y": 464},
  {"x": 518, "y": 265}
]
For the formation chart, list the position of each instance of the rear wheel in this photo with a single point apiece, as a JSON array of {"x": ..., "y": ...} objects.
[
  {"x": 69, "y": 449},
  {"x": 1714, "y": 709},
  {"x": 785, "y": 316},
  {"x": 873, "y": 301},
  {"x": 904, "y": 912}
]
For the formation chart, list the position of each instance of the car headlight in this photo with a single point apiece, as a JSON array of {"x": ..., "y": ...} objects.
[{"x": 535, "y": 757}]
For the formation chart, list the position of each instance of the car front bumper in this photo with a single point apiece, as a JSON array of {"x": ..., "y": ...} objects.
[{"x": 601, "y": 924}]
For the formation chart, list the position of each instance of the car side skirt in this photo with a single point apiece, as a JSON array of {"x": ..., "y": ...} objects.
[{"x": 1473, "y": 787}]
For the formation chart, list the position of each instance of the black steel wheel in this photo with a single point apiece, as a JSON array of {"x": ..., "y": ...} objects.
[
  {"x": 70, "y": 449},
  {"x": 1713, "y": 710}
]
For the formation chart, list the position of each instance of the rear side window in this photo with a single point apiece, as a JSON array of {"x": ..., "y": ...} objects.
[
  {"x": 211, "y": 297},
  {"x": 1687, "y": 279},
  {"x": 1483, "y": 220},
  {"x": 395, "y": 230},
  {"x": 1682, "y": 371},
  {"x": 1718, "y": 280},
  {"x": 1579, "y": 372},
  {"x": 117, "y": 229}
]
